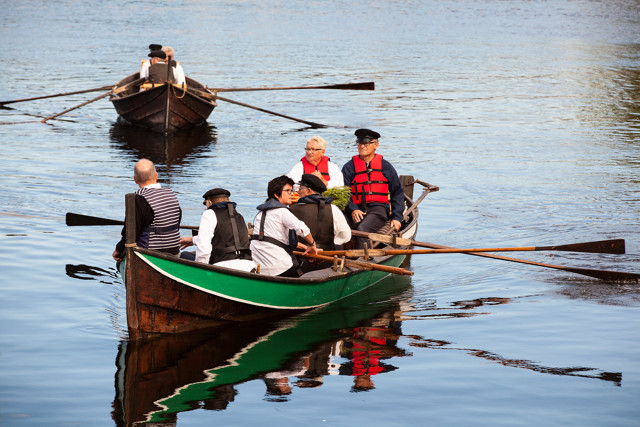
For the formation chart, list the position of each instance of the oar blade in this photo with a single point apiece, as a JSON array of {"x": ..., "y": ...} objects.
[
  {"x": 342, "y": 86},
  {"x": 74, "y": 219},
  {"x": 353, "y": 86},
  {"x": 615, "y": 246},
  {"x": 614, "y": 276}
]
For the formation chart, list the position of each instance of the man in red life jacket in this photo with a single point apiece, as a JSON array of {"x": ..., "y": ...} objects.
[
  {"x": 316, "y": 163},
  {"x": 376, "y": 190}
]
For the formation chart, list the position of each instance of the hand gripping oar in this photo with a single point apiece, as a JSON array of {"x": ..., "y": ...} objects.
[
  {"x": 361, "y": 265},
  {"x": 345, "y": 86},
  {"x": 599, "y": 274},
  {"x": 74, "y": 219}
]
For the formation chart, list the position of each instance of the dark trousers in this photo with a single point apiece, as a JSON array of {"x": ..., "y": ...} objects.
[{"x": 373, "y": 221}]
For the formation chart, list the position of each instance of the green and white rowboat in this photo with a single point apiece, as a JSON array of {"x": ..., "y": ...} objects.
[{"x": 166, "y": 294}]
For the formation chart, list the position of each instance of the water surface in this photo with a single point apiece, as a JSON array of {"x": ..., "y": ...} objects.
[{"x": 525, "y": 114}]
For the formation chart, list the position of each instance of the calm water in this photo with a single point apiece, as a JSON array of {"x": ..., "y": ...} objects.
[{"x": 526, "y": 114}]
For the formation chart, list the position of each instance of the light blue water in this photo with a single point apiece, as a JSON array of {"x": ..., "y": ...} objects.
[{"x": 525, "y": 114}]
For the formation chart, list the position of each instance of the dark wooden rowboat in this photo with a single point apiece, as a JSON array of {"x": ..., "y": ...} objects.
[
  {"x": 166, "y": 294},
  {"x": 163, "y": 108}
]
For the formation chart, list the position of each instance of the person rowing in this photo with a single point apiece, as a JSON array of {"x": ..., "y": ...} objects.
[{"x": 276, "y": 231}]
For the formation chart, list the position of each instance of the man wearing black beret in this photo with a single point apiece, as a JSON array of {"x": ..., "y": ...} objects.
[
  {"x": 223, "y": 237},
  {"x": 325, "y": 220},
  {"x": 144, "y": 67},
  {"x": 377, "y": 194}
]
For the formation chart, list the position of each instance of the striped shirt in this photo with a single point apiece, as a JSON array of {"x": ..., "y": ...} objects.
[{"x": 164, "y": 231}]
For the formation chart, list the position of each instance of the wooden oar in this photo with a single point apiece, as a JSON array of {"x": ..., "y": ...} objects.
[
  {"x": 312, "y": 124},
  {"x": 97, "y": 89},
  {"x": 74, "y": 219},
  {"x": 615, "y": 246},
  {"x": 599, "y": 274},
  {"x": 360, "y": 264},
  {"x": 77, "y": 106},
  {"x": 113, "y": 90},
  {"x": 346, "y": 86}
]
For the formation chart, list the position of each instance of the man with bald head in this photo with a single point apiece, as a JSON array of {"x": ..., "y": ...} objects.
[{"x": 158, "y": 213}]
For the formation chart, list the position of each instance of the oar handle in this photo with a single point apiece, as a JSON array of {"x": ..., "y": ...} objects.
[{"x": 360, "y": 264}]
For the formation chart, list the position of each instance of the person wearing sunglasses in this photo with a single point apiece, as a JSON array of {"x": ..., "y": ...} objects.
[
  {"x": 276, "y": 231},
  {"x": 376, "y": 191},
  {"x": 316, "y": 163}
]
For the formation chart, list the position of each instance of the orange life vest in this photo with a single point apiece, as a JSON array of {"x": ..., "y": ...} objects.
[
  {"x": 372, "y": 183},
  {"x": 323, "y": 167}
]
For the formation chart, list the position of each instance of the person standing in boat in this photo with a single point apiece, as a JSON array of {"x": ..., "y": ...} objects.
[
  {"x": 223, "y": 237},
  {"x": 325, "y": 220},
  {"x": 316, "y": 163},
  {"x": 178, "y": 72},
  {"x": 158, "y": 213},
  {"x": 276, "y": 231},
  {"x": 377, "y": 194}
]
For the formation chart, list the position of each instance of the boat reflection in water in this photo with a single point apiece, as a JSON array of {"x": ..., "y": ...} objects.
[
  {"x": 159, "y": 378},
  {"x": 172, "y": 149}
]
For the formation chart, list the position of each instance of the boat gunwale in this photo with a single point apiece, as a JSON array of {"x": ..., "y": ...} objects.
[{"x": 191, "y": 83}]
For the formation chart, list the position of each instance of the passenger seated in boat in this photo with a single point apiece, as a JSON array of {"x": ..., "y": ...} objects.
[
  {"x": 158, "y": 214},
  {"x": 223, "y": 237},
  {"x": 377, "y": 194},
  {"x": 144, "y": 67},
  {"x": 316, "y": 163},
  {"x": 276, "y": 230},
  {"x": 158, "y": 72},
  {"x": 178, "y": 72},
  {"x": 325, "y": 220}
]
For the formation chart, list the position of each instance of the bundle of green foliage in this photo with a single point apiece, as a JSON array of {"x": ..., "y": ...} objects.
[{"x": 340, "y": 196}]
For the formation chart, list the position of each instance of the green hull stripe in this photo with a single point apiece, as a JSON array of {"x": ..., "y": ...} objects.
[{"x": 271, "y": 294}]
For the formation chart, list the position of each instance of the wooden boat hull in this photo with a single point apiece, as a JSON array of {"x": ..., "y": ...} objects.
[
  {"x": 166, "y": 294},
  {"x": 164, "y": 108}
]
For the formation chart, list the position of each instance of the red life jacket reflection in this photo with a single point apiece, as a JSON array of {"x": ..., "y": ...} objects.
[
  {"x": 323, "y": 167},
  {"x": 370, "y": 182}
]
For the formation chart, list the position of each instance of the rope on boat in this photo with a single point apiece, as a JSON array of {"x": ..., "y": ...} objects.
[{"x": 184, "y": 91}]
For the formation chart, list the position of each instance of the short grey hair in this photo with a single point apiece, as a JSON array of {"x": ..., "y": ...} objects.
[{"x": 320, "y": 140}]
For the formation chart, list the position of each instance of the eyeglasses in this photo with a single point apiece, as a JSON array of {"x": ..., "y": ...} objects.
[
  {"x": 313, "y": 149},
  {"x": 365, "y": 141},
  {"x": 289, "y": 190}
]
